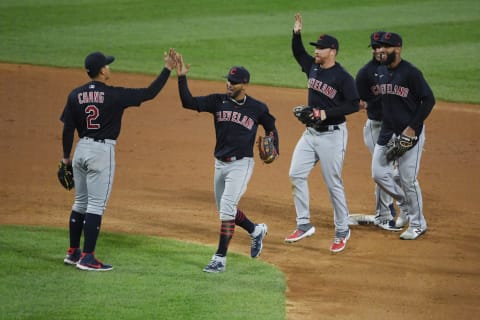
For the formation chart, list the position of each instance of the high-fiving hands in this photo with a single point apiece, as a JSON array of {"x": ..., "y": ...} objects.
[
  {"x": 182, "y": 68},
  {"x": 170, "y": 59}
]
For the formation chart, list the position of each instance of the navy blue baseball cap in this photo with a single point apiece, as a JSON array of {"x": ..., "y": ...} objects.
[
  {"x": 391, "y": 39},
  {"x": 96, "y": 61},
  {"x": 375, "y": 38},
  {"x": 326, "y": 41},
  {"x": 238, "y": 74}
]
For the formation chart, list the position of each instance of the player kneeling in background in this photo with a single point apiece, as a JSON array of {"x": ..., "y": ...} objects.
[{"x": 236, "y": 117}]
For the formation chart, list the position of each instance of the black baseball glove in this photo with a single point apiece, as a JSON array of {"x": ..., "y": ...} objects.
[
  {"x": 65, "y": 175},
  {"x": 398, "y": 146},
  {"x": 307, "y": 115}
]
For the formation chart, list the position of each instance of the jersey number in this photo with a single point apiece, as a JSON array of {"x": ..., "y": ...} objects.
[{"x": 92, "y": 115}]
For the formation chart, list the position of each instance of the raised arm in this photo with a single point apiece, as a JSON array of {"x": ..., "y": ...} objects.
[{"x": 188, "y": 101}]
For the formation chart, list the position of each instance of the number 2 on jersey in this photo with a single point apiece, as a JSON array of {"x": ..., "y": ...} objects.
[{"x": 92, "y": 115}]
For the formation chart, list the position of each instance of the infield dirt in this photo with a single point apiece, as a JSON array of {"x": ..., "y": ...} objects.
[{"x": 164, "y": 187}]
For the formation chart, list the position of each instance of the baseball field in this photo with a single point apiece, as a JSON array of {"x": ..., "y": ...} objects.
[{"x": 160, "y": 227}]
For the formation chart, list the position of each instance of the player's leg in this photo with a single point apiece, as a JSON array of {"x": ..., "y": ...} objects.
[
  {"x": 77, "y": 215},
  {"x": 100, "y": 164},
  {"x": 409, "y": 166},
  {"x": 383, "y": 174},
  {"x": 384, "y": 202},
  {"x": 236, "y": 181},
  {"x": 230, "y": 183},
  {"x": 227, "y": 227},
  {"x": 303, "y": 160},
  {"x": 332, "y": 166}
]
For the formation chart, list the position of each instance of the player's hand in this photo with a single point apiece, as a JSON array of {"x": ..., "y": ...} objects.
[
  {"x": 169, "y": 58},
  {"x": 363, "y": 105},
  {"x": 409, "y": 132},
  {"x": 182, "y": 68},
  {"x": 297, "y": 26}
]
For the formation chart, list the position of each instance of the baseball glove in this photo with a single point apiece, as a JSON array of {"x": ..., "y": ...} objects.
[
  {"x": 266, "y": 149},
  {"x": 398, "y": 146},
  {"x": 307, "y": 115},
  {"x": 65, "y": 175}
]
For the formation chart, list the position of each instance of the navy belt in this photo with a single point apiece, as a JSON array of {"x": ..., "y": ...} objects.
[
  {"x": 228, "y": 159},
  {"x": 327, "y": 128}
]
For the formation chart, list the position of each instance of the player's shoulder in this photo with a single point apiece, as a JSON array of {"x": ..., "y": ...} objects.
[
  {"x": 408, "y": 65},
  {"x": 253, "y": 102},
  {"x": 410, "y": 68},
  {"x": 368, "y": 68},
  {"x": 342, "y": 73}
]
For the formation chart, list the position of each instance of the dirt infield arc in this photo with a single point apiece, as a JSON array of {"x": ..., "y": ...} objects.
[{"x": 163, "y": 187}]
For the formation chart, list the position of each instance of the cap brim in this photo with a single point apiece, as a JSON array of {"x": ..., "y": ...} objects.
[
  {"x": 109, "y": 59},
  {"x": 320, "y": 47}
]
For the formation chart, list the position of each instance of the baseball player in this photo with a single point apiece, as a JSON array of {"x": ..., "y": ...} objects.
[
  {"x": 332, "y": 91},
  {"x": 236, "y": 117},
  {"x": 370, "y": 100},
  {"x": 95, "y": 110},
  {"x": 407, "y": 100}
]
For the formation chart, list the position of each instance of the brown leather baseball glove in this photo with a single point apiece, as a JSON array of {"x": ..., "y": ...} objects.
[{"x": 266, "y": 149}]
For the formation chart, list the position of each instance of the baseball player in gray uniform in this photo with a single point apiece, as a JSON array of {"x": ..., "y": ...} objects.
[
  {"x": 332, "y": 93},
  {"x": 407, "y": 100},
  {"x": 236, "y": 117},
  {"x": 371, "y": 101},
  {"x": 95, "y": 111}
]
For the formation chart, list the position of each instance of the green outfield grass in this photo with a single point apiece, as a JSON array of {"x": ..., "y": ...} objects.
[
  {"x": 441, "y": 37},
  {"x": 153, "y": 278}
]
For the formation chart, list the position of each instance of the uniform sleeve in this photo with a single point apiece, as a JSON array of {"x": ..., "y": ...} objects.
[
  {"x": 200, "y": 104},
  {"x": 303, "y": 58},
  {"x": 362, "y": 81},
  {"x": 188, "y": 101},
  {"x": 350, "y": 104},
  {"x": 68, "y": 131},
  {"x": 157, "y": 85},
  {"x": 424, "y": 93},
  {"x": 135, "y": 96}
]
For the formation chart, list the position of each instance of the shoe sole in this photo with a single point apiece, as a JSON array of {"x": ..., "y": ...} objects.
[
  {"x": 70, "y": 262},
  {"x": 307, "y": 234},
  {"x": 85, "y": 268},
  {"x": 213, "y": 271}
]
